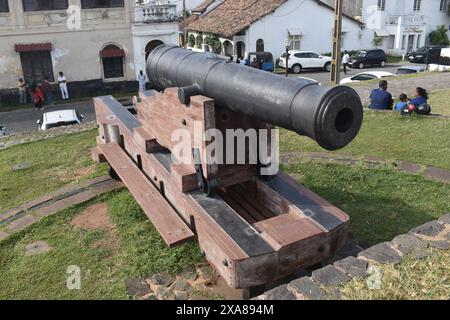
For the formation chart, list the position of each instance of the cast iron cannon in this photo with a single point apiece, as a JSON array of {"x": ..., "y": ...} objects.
[{"x": 332, "y": 117}]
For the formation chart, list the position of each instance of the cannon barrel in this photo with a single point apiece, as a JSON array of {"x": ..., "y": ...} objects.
[{"x": 332, "y": 117}]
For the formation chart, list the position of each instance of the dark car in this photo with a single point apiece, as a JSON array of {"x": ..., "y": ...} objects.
[
  {"x": 365, "y": 58},
  {"x": 421, "y": 54}
]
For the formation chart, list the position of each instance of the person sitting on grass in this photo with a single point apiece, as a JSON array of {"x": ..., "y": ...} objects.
[
  {"x": 403, "y": 103},
  {"x": 421, "y": 101},
  {"x": 381, "y": 99}
]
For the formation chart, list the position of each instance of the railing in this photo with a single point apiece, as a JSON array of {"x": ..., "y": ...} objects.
[
  {"x": 406, "y": 20},
  {"x": 153, "y": 13}
]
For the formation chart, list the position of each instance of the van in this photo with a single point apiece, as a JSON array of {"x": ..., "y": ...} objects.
[{"x": 366, "y": 58}]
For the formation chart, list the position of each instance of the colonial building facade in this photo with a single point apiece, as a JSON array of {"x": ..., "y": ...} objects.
[
  {"x": 94, "y": 42},
  {"x": 405, "y": 25},
  {"x": 270, "y": 26}
]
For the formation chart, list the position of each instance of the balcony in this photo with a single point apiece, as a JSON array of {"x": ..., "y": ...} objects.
[
  {"x": 156, "y": 13},
  {"x": 406, "y": 21}
]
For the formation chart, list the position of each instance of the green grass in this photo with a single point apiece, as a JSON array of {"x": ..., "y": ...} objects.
[
  {"x": 136, "y": 251},
  {"x": 381, "y": 203},
  {"x": 54, "y": 163},
  {"x": 388, "y": 135},
  {"x": 440, "y": 102},
  {"x": 427, "y": 279}
]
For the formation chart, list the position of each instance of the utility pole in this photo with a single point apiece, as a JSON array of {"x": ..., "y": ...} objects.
[
  {"x": 337, "y": 32},
  {"x": 184, "y": 24}
]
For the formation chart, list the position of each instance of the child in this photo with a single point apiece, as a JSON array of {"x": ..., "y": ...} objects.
[{"x": 402, "y": 104}]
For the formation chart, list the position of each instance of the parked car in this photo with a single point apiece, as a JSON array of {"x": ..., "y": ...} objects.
[
  {"x": 2, "y": 131},
  {"x": 59, "y": 119},
  {"x": 366, "y": 58},
  {"x": 311, "y": 80},
  {"x": 421, "y": 54},
  {"x": 265, "y": 60},
  {"x": 365, "y": 76},
  {"x": 410, "y": 70},
  {"x": 299, "y": 60}
]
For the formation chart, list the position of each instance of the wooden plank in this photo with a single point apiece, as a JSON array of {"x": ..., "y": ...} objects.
[
  {"x": 310, "y": 204},
  {"x": 171, "y": 227},
  {"x": 287, "y": 229}
]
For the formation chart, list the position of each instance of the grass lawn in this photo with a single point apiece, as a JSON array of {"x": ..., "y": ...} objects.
[
  {"x": 427, "y": 279},
  {"x": 381, "y": 203},
  {"x": 54, "y": 163},
  {"x": 133, "y": 249},
  {"x": 387, "y": 135},
  {"x": 440, "y": 102}
]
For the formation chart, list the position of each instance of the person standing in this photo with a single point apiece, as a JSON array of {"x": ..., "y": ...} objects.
[
  {"x": 63, "y": 86},
  {"x": 38, "y": 96},
  {"x": 22, "y": 91},
  {"x": 142, "y": 80},
  {"x": 46, "y": 86},
  {"x": 345, "y": 61}
]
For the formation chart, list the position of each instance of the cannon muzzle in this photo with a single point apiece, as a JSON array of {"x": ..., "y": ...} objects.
[{"x": 332, "y": 117}]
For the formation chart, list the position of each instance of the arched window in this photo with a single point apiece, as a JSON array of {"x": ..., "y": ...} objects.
[
  {"x": 152, "y": 45},
  {"x": 260, "y": 45},
  {"x": 112, "y": 59}
]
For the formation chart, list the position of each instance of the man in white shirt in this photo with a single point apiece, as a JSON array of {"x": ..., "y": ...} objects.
[
  {"x": 345, "y": 61},
  {"x": 63, "y": 86},
  {"x": 142, "y": 80}
]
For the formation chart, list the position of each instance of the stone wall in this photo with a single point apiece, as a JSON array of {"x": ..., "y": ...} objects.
[{"x": 419, "y": 243}]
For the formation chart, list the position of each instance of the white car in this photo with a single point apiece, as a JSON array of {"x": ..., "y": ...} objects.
[
  {"x": 299, "y": 60},
  {"x": 365, "y": 76},
  {"x": 59, "y": 119}
]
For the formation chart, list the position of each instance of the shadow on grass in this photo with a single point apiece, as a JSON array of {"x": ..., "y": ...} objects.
[{"x": 382, "y": 203}]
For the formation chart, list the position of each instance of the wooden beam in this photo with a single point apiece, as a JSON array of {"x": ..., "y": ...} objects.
[{"x": 171, "y": 227}]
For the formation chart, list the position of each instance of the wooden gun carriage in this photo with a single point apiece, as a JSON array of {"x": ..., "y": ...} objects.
[{"x": 253, "y": 229}]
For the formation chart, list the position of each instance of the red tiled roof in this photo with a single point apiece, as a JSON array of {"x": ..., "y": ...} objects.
[
  {"x": 47, "y": 46},
  {"x": 109, "y": 52}
]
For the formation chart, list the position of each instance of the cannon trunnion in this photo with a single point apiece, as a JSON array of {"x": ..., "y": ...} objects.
[{"x": 253, "y": 230}]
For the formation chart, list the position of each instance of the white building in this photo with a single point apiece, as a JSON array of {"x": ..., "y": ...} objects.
[
  {"x": 155, "y": 23},
  {"x": 405, "y": 24},
  {"x": 247, "y": 26},
  {"x": 98, "y": 44}
]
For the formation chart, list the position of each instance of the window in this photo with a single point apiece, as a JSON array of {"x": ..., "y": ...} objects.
[
  {"x": 417, "y": 5},
  {"x": 4, "y": 6},
  {"x": 364, "y": 77},
  {"x": 90, "y": 4},
  {"x": 302, "y": 55},
  {"x": 260, "y": 45},
  {"x": 112, "y": 58},
  {"x": 444, "y": 6},
  {"x": 381, "y": 5},
  {"x": 41, "y": 5},
  {"x": 294, "y": 41},
  {"x": 36, "y": 65},
  {"x": 391, "y": 42}
]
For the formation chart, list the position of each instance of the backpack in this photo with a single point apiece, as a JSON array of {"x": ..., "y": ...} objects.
[{"x": 423, "y": 109}]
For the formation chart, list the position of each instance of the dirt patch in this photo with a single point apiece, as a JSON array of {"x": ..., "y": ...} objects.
[
  {"x": 77, "y": 174},
  {"x": 95, "y": 217}
]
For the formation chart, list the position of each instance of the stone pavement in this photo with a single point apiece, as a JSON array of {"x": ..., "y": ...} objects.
[
  {"x": 433, "y": 81},
  {"x": 419, "y": 243},
  {"x": 429, "y": 172},
  {"x": 19, "y": 218}
]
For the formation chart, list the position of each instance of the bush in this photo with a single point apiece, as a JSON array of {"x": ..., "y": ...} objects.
[
  {"x": 439, "y": 36},
  {"x": 191, "y": 40},
  {"x": 214, "y": 43}
]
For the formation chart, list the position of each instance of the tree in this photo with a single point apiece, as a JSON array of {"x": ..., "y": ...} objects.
[
  {"x": 377, "y": 41},
  {"x": 214, "y": 43},
  {"x": 439, "y": 36}
]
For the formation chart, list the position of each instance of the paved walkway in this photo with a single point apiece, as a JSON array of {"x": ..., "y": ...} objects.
[
  {"x": 435, "y": 81},
  {"x": 19, "y": 218},
  {"x": 429, "y": 172}
]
